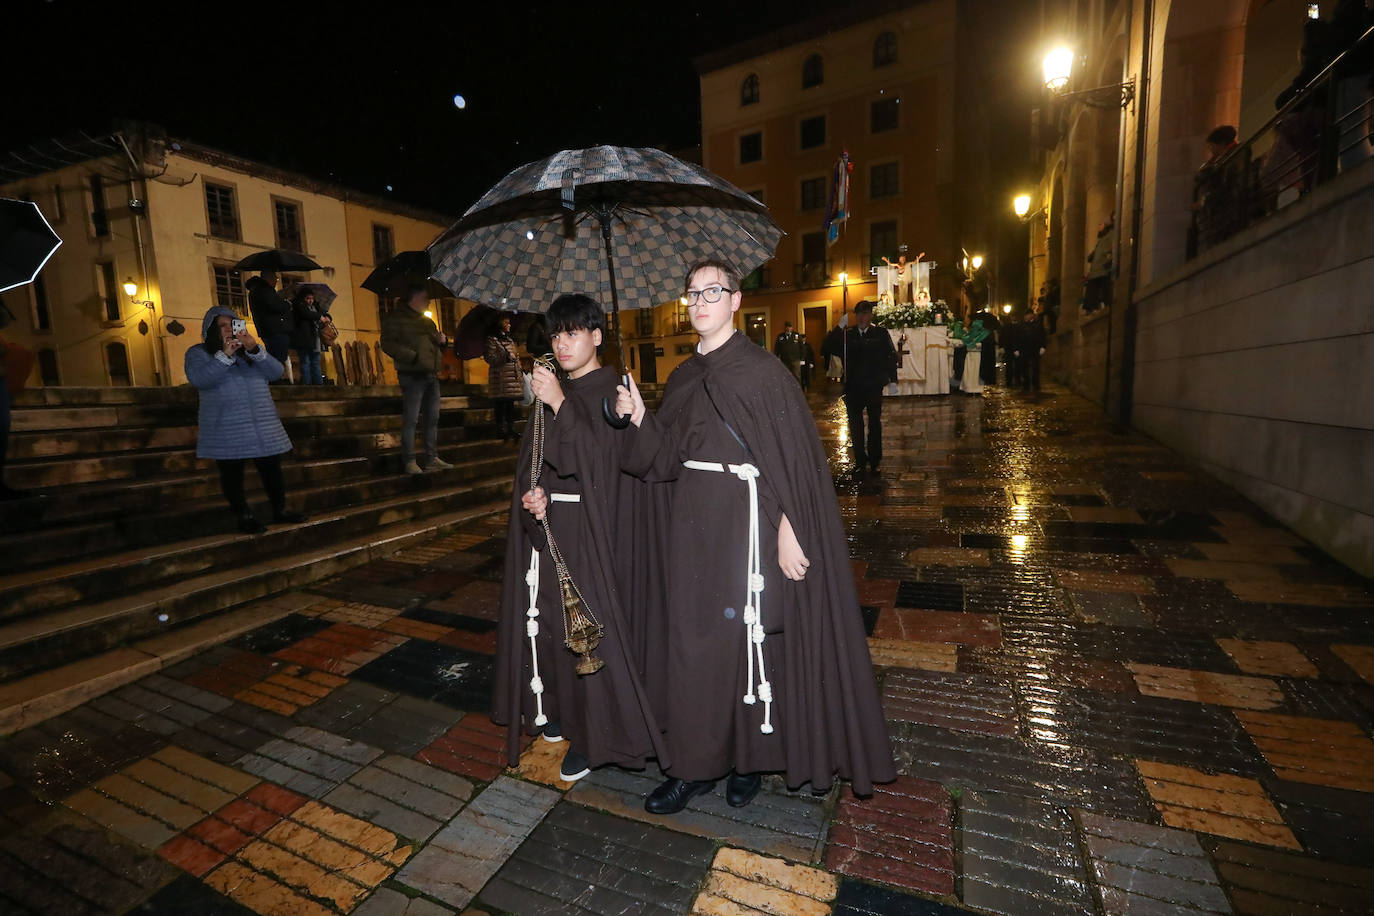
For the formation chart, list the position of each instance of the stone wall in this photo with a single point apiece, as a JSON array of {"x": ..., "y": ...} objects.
[{"x": 1255, "y": 360}]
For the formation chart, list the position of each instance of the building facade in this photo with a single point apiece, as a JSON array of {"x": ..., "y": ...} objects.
[
  {"x": 889, "y": 84},
  {"x": 171, "y": 218},
  {"x": 1239, "y": 337}
]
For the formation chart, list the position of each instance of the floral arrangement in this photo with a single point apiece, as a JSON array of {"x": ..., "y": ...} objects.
[{"x": 907, "y": 315}]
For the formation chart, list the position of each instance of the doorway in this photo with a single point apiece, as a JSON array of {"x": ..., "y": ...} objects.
[
  {"x": 648, "y": 364},
  {"x": 815, "y": 325},
  {"x": 756, "y": 328}
]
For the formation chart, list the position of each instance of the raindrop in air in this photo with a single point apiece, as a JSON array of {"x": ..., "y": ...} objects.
[
  {"x": 459, "y": 102},
  {"x": 529, "y": 234},
  {"x": 388, "y": 187}
]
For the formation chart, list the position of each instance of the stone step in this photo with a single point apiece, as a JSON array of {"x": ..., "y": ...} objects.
[
  {"x": 122, "y": 529},
  {"x": 35, "y": 697},
  {"x": 54, "y": 638}
]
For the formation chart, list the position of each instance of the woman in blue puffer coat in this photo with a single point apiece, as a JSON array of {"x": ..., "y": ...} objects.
[{"x": 238, "y": 419}]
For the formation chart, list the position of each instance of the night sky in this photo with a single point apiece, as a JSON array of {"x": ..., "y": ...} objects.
[{"x": 366, "y": 98}]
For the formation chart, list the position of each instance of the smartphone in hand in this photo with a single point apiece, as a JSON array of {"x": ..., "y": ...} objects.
[{"x": 237, "y": 326}]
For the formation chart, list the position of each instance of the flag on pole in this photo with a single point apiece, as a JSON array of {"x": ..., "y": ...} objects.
[{"x": 837, "y": 211}]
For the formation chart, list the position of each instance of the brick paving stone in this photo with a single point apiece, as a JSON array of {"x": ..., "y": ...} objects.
[
  {"x": 741, "y": 882},
  {"x": 961, "y": 702},
  {"x": 474, "y": 747},
  {"x": 899, "y": 653},
  {"x": 353, "y": 704},
  {"x": 1230, "y": 806},
  {"x": 960, "y": 760},
  {"x": 462, "y": 857},
  {"x": 1359, "y": 658},
  {"x": 406, "y": 725},
  {"x": 388, "y": 596},
  {"x": 358, "y": 613},
  {"x": 1084, "y": 580},
  {"x": 408, "y": 798},
  {"x": 341, "y": 648},
  {"x": 930, "y": 596},
  {"x": 83, "y": 862},
  {"x": 1334, "y": 824},
  {"x": 1019, "y": 856},
  {"x": 582, "y": 861},
  {"x": 960, "y": 627},
  {"x": 1301, "y": 593},
  {"x": 1141, "y": 868},
  {"x": 430, "y": 671},
  {"x": 146, "y": 831},
  {"x": 1275, "y": 659},
  {"x": 261, "y": 893},
  {"x": 857, "y": 899},
  {"x": 542, "y": 762},
  {"x": 1241, "y": 691},
  {"x": 237, "y": 670},
  {"x": 1118, "y": 609},
  {"x": 901, "y": 835},
  {"x": 475, "y": 599},
  {"x": 1265, "y": 882},
  {"x": 308, "y": 760},
  {"x": 187, "y": 895},
  {"x": 280, "y": 633},
  {"x": 1319, "y": 751},
  {"x": 777, "y": 823},
  {"x": 388, "y": 902},
  {"x": 949, "y": 556}
]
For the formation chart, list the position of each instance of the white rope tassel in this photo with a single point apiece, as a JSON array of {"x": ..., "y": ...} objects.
[
  {"x": 532, "y": 630},
  {"x": 753, "y": 610}
]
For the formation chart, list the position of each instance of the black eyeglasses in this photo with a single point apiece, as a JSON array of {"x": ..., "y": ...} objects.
[{"x": 710, "y": 294}]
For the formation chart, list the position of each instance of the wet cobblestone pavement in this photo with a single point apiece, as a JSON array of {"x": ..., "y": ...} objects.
[{"x": 1113, "y": 686}]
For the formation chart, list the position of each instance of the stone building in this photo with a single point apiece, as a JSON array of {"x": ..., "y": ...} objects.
[
  {"x": 1239, "y": 332},
  {"x": 171, "y": 217}
]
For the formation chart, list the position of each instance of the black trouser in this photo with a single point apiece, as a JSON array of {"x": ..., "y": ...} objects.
[
  {"x": 503, "y": 409},
  {"x": 1013, "y": 367},
  {"x": 855, "y": 403},
  {"x": 957, "y": 372},
  {"x": 279, "y": 345},
  {"x": 269, "y": 472},
  {"x": 1028, "y": 370}
]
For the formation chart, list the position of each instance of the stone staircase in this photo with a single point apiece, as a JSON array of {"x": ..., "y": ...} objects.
[{"x": 130, "y": 558}]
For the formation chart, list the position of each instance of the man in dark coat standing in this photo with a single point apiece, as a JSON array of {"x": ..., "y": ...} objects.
[
  {"x": 605, "y": 532},
  {"x": 763, "y": 665},
  {"x": 1032, "y": 342},
  {"x": 788, "y": 348},
  {"x": 272, "y": 315},
  {"x": 870, "y": 363}
]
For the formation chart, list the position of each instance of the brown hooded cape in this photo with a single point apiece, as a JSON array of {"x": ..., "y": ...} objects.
[
  {"x": 606, "y": 715},
  {"x": 827, "y": 714}
]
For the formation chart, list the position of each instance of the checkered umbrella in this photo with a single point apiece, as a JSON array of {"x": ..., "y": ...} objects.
[{"x": 622, "y": 222}]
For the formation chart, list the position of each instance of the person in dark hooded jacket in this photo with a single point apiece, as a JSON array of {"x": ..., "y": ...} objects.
[
  {"x": 272, "y": 315},
  {"x": 305, "y": 336},
  {"x": 238, "y": 418}
]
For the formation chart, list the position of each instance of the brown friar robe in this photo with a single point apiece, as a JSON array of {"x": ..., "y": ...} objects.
[
  {"x": 739, "y": 405},
  {"x": 606, "y": 715}
]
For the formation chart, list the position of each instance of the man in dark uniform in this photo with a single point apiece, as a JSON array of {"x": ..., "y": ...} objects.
[
  {"x": 788, "y": 348},
  {"x": 870, "y": 363},
  {"x": 763, "y": 665}
]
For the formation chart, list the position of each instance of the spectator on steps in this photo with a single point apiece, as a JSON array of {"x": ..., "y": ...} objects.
[
  {"x": 271, "y": 315},
  {"x": 305, "y": 336},
  {"x": 416, "y": 346},
  {"x": 238, "y": 418},
  {"x": 504, "y": 385}
]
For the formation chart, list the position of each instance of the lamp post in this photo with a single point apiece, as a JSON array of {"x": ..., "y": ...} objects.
[
  {"x": 131, "y": 290},
  {"x": 844, "y": 306}
]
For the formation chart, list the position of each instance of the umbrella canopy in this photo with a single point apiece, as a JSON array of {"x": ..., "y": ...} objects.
[
  {"x": 619, "y": 221},
  {"x": 26, "y": 242},
  {"x": 324, "y": 294},
  {"x": 470, "y": 339},
  {"x": 403, "y": 268},
  {"x": 277, "y": 259}
]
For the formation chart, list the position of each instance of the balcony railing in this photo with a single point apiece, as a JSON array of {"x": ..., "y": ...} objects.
[{"x": 1320, "y": 132}]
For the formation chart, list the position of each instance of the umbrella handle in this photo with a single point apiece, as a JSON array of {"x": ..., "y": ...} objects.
[{"x": 607, "y": 411}]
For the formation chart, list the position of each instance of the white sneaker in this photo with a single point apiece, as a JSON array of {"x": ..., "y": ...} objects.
[
  {"x": 437, "y": 464},
  {"x": 413, "y": 468}
]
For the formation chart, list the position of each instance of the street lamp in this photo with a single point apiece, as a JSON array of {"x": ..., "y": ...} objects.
[
  {"x": 977, "y": 261},
  {"x": 1021, "y": 204},
  {"x": 1058, "y": 67}
]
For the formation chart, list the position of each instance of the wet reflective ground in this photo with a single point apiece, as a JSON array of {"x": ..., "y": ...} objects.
[{"x": 1113, "y": 685}]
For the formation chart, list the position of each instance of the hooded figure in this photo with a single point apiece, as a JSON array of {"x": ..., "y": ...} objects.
[{"x": 238, "y": 418}]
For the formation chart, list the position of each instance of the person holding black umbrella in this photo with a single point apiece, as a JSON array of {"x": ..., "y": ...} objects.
[
  {"x": 272, "y": 315},
  {"x": 758, "y": 658}
]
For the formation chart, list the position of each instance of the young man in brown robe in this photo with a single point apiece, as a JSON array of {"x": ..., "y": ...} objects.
[
  {"x": 590, "y": 506},
  {"x": 762, "y": 663}
]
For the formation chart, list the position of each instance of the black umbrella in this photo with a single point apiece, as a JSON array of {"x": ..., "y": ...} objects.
[
  {"x": 626, "y": 221},
  {"x": 26, "y": 242},
  {"x": 392, "y": 276},
  {"x": 277, "y": 259}
]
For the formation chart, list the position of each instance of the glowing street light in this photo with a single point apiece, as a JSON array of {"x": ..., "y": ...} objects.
[
  {"x": 1006, "y": 309},
  {"x": 1021, "y": 204},
  {"x": 977, "y": 261},
  {"x": 130, "y": 288},
  {"x": 1058, "y": 66}
]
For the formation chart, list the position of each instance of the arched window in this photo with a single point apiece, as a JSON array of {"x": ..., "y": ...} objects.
[
  {"x": 885, "y": 49},
  {"x": 813, "y": 71},
  {"x": 749, "y": 90}
]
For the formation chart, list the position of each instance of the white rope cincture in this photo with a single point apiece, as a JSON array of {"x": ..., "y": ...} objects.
[
  {"x": 532, "y": 630},
  {"x": 754, "y": 582}
]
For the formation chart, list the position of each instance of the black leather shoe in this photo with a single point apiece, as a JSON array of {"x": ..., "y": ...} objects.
[
  {"x": 674, "y": 794},
  {"x": 741, "y": 788},
  {"x": 249, "y": 524}
]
